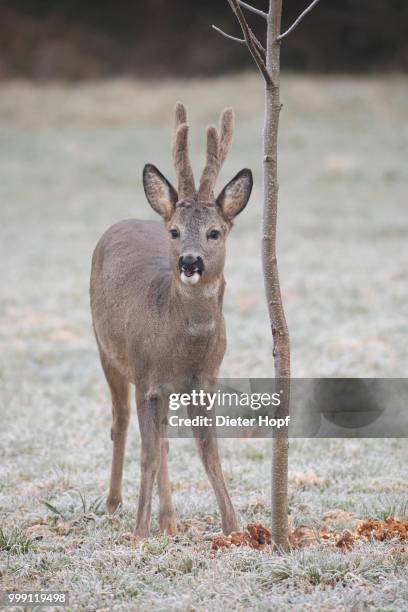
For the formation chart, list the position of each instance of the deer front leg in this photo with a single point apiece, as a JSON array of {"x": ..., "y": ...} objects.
[
  {"x": 208, "y": 450},
  {"x": 119, "y": 388},
  {"x": 167, "y": 516},
  {"x": 150, "y": 414}
]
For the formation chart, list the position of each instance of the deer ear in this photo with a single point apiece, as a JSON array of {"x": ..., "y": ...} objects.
[
  {"x": 160, "y": 194},
  {"x": 234, "y": 197}
]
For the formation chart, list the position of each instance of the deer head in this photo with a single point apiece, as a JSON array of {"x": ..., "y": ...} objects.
[{"x": 198, "y": 223}]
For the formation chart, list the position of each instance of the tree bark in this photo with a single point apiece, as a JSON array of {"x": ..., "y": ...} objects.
[
  {"x": 279, "y": 328},
  {"x": 270, "y": 70}
]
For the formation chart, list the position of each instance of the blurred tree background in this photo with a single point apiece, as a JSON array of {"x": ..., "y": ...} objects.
[{"x": 78, "y": 39}]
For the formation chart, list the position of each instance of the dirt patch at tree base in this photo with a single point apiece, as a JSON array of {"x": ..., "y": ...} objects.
[{"x": 257, "y": 536}]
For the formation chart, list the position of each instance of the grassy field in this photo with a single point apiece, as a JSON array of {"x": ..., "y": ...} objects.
[{"x": 70, "y": 160}]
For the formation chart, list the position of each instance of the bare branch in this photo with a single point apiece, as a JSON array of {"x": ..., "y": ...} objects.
[
  {"x": 258, "y": 44},
  {"x": 250, "y": 40},
  {"x": 298, "y": 20},
  {"x": 234, "y": 38},
  {"x": 241, "y": 41},
  {"x": 252, "y": 9}
]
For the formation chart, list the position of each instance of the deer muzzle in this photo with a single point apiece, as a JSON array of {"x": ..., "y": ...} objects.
[{"x": 191, "y": 268}]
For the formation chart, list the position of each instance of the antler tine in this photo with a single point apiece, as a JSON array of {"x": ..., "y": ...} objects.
[
  {"x": 211, "y": 170},
  {"x": 181, "y": 115},
  {"x": 225, "y": 131},
  {"x": 185, "y": 177},
  {"x": 218, "y": 145}
]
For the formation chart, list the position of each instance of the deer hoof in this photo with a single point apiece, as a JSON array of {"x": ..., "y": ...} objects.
[
  {"x": 168, "y": 523},
  {"x": 131, "y": 539}
]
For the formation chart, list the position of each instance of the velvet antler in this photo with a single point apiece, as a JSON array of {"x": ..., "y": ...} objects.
[
  {"x": 218, "y": 145},
  {"x": 185, "y": 177}
]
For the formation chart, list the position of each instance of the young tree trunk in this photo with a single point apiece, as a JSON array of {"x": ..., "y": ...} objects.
[
  {"x": 268, "y": 63},
  {"x": 280, "y": 334}
]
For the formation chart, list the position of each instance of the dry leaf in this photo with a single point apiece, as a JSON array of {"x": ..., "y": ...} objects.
[
  {"x": 63, "y": 528},
  {"x": 255, "y": 535},
  {"x": 303, "y": 536},
  {"x": 130, "y": 539},
  {"x": 346, "y": 540},
  {"x": 383, "y": 530}
]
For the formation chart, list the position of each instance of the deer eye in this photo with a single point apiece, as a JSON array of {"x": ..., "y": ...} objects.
[
  {"x": 174, "y": 233},
  {"x": 214, "y": 235}
]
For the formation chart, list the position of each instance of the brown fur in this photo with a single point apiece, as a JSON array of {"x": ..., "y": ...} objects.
[{"x": 160, "y": 334}]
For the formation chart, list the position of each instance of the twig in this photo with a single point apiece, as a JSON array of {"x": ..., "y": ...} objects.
[
  {"x": 248, "y": 7},
  {"x": 298, "y": 20},
  {"x": 250, "y": 40},
  {"x": 241, "y": 41},
  {"x": 234, "y": 38},
  {"x": 258, "y": 44}
]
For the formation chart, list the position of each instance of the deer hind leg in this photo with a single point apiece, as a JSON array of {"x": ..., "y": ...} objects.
[
  {"x": 208, "y": 451},
  {"x": 120, "y": 393},
  {"x": 151, "y": 413},
  {"x": 167, "y": 516}
]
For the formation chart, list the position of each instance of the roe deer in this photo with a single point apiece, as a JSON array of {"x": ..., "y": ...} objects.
[{"x": 156, "y": 299}]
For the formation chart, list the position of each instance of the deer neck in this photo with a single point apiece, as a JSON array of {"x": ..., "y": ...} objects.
[{"x": 200, "y": 307}]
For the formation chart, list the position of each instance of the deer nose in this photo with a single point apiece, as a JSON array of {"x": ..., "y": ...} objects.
[{"x": 191, "y": 262}]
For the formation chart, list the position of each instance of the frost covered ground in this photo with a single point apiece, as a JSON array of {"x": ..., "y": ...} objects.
[{"x": 70, "y": 163}]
